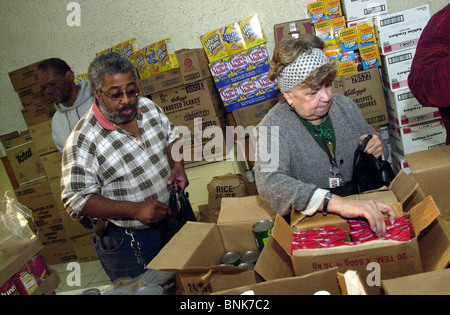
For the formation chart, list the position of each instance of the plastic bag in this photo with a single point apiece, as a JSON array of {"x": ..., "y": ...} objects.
[
  {"x": 181, "y": 213},
  {"x": 15, "y": 232}
]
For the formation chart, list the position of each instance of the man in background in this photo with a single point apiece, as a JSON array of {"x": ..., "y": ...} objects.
[{"x": 71, "y": 99}]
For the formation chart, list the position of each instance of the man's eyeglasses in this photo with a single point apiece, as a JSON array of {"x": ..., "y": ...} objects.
[{"x": 119, "y": 95}]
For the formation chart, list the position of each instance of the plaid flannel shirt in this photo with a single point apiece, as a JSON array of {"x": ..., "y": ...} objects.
[{"x": 101, "y": 159}]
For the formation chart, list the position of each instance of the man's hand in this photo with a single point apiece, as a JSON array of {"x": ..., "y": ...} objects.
[
  {"x": 151, "y": 211},
  {"x": 178, "y": 177}
]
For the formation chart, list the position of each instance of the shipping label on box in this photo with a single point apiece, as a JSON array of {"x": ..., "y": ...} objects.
[
  {"x": 401, "y": 30},
  {"x": 365, "y": 89},
  {"x": 361, "y": 9},
  {"x": 241, "y": 66},
  {"x": 396, "y": 68},
  {"x": 293, "y": 29},
  {"x": 418, "y": 137},
  {"x": 405, "y": 109}
]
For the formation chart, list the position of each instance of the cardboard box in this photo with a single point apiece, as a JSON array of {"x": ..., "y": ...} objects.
[
  {"x": 431, "y": 169},
  {"x": 405, "y": 109},
  {"x": 58, "y": 248},
  {"x": 401, "y": 30},
  {"x": 84, "y": 248},
  {"x": 317, "y": 11},
  {"x": 241, "y": 66},
  {"x": 36, "y": 114},
  {"x": 396, "y": 68},
  {"x": 366, "y": 90},
  {"x": 184, "y": 103},
  {"x": 25, "y": 161},
  {"x": 293, "y": 29},
  {"x": 193, "y": 65},
  {"x": 33, "y": 95},
  {"x": 253, "y": 114},
  {"x": 52, "y": 165},
  {"x": 25, "y": 77},
  {"x": 225, "y": 186},
  {"x": 435, "y": 246},
  {"x": 326, "y": 281},
  {"x": 40, "y": 200},
  {"x": 362, "y": 9},
  {"x": 42, "y": 137},
  {"x": 420, "y": 137},
  {"x": 428, "y": 283},
  {"x": 194, "y": 254}
]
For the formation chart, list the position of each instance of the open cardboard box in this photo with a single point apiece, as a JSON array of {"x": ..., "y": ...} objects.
[
  {"x": 194, "y": 254},
  {"x": 329, "y": 280},
  {"x": 428, "y": 283},
  {"x": 396, "y": 259}
]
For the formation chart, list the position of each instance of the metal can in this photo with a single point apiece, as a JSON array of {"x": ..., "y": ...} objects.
[
  {"x": 25, "y": 281},
  {"x": 250, "y": 256},
  {"x": 39, "y": 267},
  {"x": 261, "y": 231},
  {"x": 231, "y": 258},
  {"x": 9, "y": 288},
  {"x": 247, "y": 266}
]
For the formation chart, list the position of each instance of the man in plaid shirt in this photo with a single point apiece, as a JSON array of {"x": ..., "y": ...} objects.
[{"x": 118, "y": 167}]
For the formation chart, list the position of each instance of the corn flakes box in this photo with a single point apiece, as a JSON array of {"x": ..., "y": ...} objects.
[
  {"x": 165, "y": 55},
  {"x": 213, "y": 45},
  {"x": 349, "y": 39},
  {"x": 233, "y": 39},
  {"x": 366, "y": 34},
  {"x": 252, "y": 31},
  {"x": 370, "y": 57},
  {"x": 146, "y": 61},
  {"x": 333, "y": 8},
  {"x": 317, "y": 11}
]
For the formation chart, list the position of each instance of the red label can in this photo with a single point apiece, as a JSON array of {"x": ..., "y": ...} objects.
[
  {"x": 9, "y": 288},
  {"x": 25, "y": 281},
  {"x": 39, "y": 268}
]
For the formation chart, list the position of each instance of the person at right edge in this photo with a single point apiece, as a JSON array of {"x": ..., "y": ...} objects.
[
  {"x": 318, "y": 133},
  {"x": 429, "y": 79}
]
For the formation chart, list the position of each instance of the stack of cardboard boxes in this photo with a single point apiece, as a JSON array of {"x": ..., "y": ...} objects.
[{"x": 36, "y": 166}]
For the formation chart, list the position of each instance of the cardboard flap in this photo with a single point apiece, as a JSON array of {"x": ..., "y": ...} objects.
[
  {"x": 282, "y": 233},
  {"x": 403, "y": 186},
  {"x": 245, "y": 209},
  {"x": 181, "y": 252},
  {"x": 423, "y": 214},
  {"x": 429, "y": 283}
]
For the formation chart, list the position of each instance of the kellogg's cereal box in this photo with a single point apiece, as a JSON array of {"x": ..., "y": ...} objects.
[
  {"x": 252, "y": 31},
  {"x": 349, "y": 39},
  {"x": 127, "y": 48},
  {"x": 366, "y": 34},
  {"x": 233, "y": 39},
  {"x": 165, "y": 55},
  {"x": 213, "y": 46},
  {"x": 370, "y": 57},
  {"x": 332, "y": 8},
  {"x": 146, "y": 61},
  {"x": 317, "y": 11}
]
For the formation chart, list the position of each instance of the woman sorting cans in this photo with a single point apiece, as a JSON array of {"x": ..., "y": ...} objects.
[{"x": 316, "y": 134}]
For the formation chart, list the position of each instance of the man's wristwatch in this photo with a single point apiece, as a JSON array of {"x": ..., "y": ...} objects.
[{"x": 326, "y": 200}]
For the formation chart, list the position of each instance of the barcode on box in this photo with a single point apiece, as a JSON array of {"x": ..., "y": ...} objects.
[
  {"x": 399, "y": 58},
  {"x": 405, "y": 96},
  {"x": 377, "y": 9},
  {"x": 392, "y": 20}
]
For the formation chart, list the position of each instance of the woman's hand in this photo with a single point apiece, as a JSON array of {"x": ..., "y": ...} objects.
[
  {"x": 371, "y": 210},
  {"x": 374, "y": 146}
]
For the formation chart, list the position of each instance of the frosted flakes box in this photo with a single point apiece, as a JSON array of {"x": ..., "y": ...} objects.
[
  {"x": 233, "y": 39},
  {"x": 317, "y": 11},
  {"x": 213, "y": 45},
  {"x": 146, "y": 61},
  {"x": 252, "y": 31},
  {"x": 165, "y": 55}
]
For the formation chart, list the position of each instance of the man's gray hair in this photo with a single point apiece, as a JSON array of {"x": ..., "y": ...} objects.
[{"x": 109, "y": 64}]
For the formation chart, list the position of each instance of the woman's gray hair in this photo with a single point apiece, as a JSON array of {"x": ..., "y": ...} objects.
[{"x": 109, "y": 64}]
